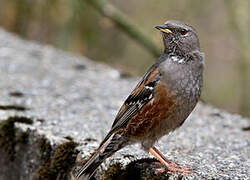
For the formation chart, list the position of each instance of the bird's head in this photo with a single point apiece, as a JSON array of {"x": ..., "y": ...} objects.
[{"x": 179, "y": 38}]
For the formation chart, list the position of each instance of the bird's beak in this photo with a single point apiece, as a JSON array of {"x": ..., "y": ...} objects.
[{"x": 164, "y": 28}]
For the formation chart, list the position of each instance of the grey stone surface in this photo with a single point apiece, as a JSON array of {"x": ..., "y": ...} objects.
[{"x": 68, "y": 95}]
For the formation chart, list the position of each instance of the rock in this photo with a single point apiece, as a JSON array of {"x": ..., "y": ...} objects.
[{"x": 54, "y": 105}]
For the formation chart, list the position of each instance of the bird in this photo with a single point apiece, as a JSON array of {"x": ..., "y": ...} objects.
[{"x": 161, "y": 101}]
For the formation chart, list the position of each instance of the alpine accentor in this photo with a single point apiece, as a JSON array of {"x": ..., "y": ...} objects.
[{"x": 161, "y": 101}]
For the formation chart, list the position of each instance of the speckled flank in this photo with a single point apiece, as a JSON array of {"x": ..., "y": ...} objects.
[{"x": 150, "y": 116}]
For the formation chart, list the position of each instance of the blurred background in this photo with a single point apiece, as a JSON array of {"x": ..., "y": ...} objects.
[{"x": 84, "y": 27}]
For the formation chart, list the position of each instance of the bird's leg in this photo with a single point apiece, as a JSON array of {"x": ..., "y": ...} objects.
[{"x": 170, "y": 166}]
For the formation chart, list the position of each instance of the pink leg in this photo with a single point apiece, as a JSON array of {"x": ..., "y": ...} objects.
[{"x": 170, "y": 166}]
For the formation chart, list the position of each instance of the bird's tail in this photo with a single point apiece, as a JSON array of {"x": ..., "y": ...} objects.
[
  {"x": 90, "y": 167},
  {"x": 108, "y": 147}
]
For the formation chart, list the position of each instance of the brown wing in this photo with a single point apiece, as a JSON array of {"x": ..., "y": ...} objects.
[{"x": 140, "y": 96}]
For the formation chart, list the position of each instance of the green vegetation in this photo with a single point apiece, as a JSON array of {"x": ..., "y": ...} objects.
[
  {"x": 137, "y": 170},
  {"x": 57, "y": 164},
  {"x": 8, "y": 136}
]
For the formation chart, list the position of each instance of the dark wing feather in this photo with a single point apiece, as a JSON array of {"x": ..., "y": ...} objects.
[
  {"x": 132, "y": 104},
  {"x": 140, "y": 96}
]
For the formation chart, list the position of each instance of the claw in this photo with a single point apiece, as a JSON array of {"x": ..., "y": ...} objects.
[{"x": 169, "y": 166}]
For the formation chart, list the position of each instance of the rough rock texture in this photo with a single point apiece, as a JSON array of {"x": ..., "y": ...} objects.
[{"x": 53, "y": 105}]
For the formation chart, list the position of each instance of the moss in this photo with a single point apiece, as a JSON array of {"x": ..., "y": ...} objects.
[
  {"x": 136, "y": 170},
  {"x": 8, "y": 137},
  {"x": 59, "y": 163},
  {"x": 45, "y": 149},
  {"x": 113, "y": 172},
  {"x": 64, "y": 156},
  {"x": 23, "y": 137}
]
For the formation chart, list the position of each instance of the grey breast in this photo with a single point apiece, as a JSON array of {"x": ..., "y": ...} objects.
[{"x": 183, "y": 78}]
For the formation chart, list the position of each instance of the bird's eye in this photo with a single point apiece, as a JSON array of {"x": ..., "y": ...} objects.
[{"x": 183, "y": 32}]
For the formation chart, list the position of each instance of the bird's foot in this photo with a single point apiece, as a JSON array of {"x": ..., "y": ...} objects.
[{"x": 170, "y": 167}]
